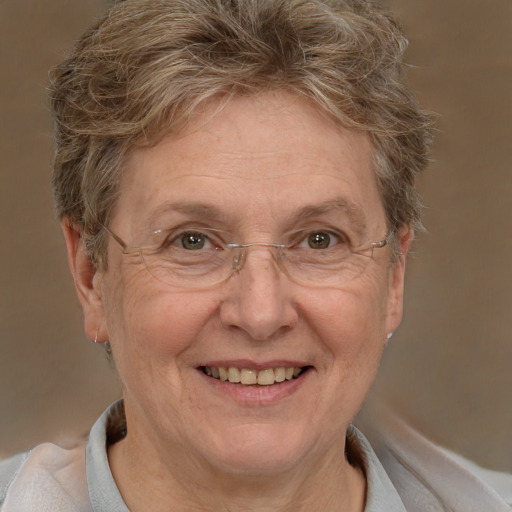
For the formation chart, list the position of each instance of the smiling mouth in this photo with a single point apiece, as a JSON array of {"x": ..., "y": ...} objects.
[{"x": 247, "y": 377}]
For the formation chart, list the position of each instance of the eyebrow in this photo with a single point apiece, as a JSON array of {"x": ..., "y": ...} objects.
[
  {"x": 216, "y": 214},
  {"x": 201, "y": 210},
  {"x": 353, "y": 212}
]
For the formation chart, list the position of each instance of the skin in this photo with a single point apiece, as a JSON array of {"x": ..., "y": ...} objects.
[{"x": 191, "y": 442}]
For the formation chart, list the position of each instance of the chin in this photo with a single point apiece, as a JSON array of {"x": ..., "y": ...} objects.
[{"x": 259, "y": 449}]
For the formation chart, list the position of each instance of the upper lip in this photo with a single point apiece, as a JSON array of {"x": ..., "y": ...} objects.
[{"x": 254, "y": 365}]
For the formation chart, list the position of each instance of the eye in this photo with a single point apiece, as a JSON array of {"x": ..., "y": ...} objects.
[
  {"x": 187, "y": 239},
  {"x": 320, "y": 240},
  {"x": 192, "y": 241}
]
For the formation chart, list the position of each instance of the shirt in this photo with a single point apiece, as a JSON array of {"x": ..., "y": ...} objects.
[{"x": 404, "y": 472}]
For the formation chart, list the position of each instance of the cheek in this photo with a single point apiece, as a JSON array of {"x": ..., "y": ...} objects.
[
  {"x": 350, "y": 323},
  {"x": 148, "y": 323},
  {"x": 349, "y": 328}
]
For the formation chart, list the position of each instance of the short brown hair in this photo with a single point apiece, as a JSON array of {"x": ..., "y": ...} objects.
[{"x": 141, "y": 70}]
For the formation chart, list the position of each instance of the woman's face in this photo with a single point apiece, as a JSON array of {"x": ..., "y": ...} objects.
[{"x": 258, "y": 168}]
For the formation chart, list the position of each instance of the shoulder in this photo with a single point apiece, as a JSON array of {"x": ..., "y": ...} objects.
[
  {"x": 501, "y": 482},
  {"x": 9, "y": 468},
  {"x": 424, "y": 473},
  {"x": 46, "y": 478}
]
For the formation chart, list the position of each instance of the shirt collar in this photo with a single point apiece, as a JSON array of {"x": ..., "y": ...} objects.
[
  {"x": 103, "y": 491},
  {"x": 381, "y": 495}
]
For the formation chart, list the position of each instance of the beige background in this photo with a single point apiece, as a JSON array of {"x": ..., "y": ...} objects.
[{"x": 448, "y": 368}]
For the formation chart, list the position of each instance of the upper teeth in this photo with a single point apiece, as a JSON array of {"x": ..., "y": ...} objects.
[{"x": 248, "y": 377}]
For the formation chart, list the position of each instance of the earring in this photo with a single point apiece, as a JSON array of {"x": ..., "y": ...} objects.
[
  {"x": 96, "y": 337},
  {"x": 389, "y": 336}
]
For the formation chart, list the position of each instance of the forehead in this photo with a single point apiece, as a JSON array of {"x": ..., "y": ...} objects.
[{"x": 260, "y": 158}]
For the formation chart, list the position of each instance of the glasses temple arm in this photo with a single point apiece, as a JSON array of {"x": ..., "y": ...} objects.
[{"x": 115, "y": 237}]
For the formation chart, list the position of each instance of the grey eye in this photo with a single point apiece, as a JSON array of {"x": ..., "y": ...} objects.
[{"x": 193, "y": 241}]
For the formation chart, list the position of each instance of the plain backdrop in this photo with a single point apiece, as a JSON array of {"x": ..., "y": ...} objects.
[{"x": 448, "y": 369}]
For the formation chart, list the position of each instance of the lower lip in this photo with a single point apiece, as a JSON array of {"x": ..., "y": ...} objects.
[{"x": 257, "y": 395}]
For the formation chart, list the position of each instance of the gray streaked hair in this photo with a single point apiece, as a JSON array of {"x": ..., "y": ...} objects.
[{"x": 142, "y": 70}]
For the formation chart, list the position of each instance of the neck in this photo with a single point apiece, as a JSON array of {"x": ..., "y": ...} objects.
[{"x": 148, "y": 479}]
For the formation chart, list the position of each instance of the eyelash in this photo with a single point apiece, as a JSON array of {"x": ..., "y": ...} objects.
[
  {"x": 175, "y": 237},
  {"x": 334, "y": 238}
]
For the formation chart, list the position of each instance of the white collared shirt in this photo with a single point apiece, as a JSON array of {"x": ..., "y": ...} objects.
[{"x": 404, "y": 471}]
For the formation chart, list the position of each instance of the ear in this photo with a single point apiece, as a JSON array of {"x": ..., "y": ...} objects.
[
  {"x": 87, "y": 283},
  {"x": 397, "y": 281}
]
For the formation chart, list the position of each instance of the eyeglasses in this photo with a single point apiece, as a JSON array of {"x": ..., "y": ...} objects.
[{"x": 198, "y": 257}]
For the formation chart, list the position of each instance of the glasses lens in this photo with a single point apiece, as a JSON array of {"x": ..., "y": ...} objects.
[
  {"x": 197, "y": 259},
  {"x": 325, "y": 267},
  {"x": 191, "y": 263}
]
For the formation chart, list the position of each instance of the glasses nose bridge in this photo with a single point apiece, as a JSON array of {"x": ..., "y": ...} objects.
[{"x": 241, "y": 250}]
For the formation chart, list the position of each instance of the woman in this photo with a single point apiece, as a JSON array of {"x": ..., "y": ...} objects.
[{"x": 236, "y": 186}]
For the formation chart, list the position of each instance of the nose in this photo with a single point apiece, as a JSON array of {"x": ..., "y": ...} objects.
[{"x": 258, "y": 299}]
